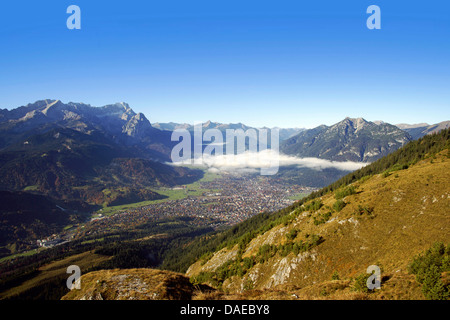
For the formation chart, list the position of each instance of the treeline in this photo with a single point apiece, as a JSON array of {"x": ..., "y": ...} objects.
[{"x": 181, "y": 257}]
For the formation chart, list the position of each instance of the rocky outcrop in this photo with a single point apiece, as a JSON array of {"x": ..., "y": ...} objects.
[{"x": 132, "y": 284}]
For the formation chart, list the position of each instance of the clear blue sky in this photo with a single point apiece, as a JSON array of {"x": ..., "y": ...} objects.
[{"x": 274, "y": 63}]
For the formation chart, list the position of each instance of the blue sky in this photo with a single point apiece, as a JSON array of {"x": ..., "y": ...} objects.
[{"x": 273, "y": 63}]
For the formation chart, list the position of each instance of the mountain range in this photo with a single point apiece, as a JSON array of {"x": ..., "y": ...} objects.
[
  {"x": 284, "y": 133},
  {"x": 104, "y": 156},
  {"x": 77, "y": 151},
  {"x": 348, "y": 140},
  {"x": 118, "y": 122},
  {"x": 352, "y": 139}
]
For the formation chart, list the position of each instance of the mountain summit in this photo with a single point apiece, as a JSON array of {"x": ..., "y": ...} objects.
[
  {"x": 352, "y": 139},
  {"x": 115, "y": 119}
]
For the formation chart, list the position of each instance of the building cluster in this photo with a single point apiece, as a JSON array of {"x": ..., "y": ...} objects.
[
  {"x": 229, "y": 200},
  {"x": 51, "y": 241}
]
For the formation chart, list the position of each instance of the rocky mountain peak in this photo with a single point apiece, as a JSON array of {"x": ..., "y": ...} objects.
[
  {"x": 137, "y": 126},
  {"x": 354, "y": 122},
  {"x": 114, "y": 119},
  {"x": 352, "y": 139},
  {"x": 208, "y": 124}
]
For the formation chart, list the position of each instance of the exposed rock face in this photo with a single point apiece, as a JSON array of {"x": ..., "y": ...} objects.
[
  {"x": 114, "y": 119},
  {"x": 138, "y": 126},
  {"x": 216, "y": 261},
  {"x": 284, "y": 267}
]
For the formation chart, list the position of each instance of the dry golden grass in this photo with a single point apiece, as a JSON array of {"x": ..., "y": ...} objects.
[{"x": 411, "y": 211}]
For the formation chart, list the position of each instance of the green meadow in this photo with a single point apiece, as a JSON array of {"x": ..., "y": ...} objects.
[{"x": 176, "y": 193}]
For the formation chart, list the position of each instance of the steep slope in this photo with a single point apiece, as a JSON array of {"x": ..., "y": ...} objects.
[
  {"x": 384, "y": 217},
  {"x": 386, "y": 222},
  {"x": 348, "y": 140}
]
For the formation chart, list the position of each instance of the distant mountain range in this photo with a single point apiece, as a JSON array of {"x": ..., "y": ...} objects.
[
  {"x": 284, "y": 133},
  {"x": 77, "y": 151},
  {"x": 171, "y": 126},
  {"x": 347, "y": 140},
  {"x": 352, "y": 139},
  {"x": 421, "y": 129}
]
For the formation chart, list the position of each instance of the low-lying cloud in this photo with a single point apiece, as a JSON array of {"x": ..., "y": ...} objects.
[{"x": 253, "y": 161}]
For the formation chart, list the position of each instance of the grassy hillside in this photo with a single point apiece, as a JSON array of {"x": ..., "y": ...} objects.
[
  {"x": 382, "y": 219},
  {"x": 425, "y": 148}
]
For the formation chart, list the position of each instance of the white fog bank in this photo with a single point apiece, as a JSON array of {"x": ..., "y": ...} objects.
[{"x": 253, "y": 161}]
